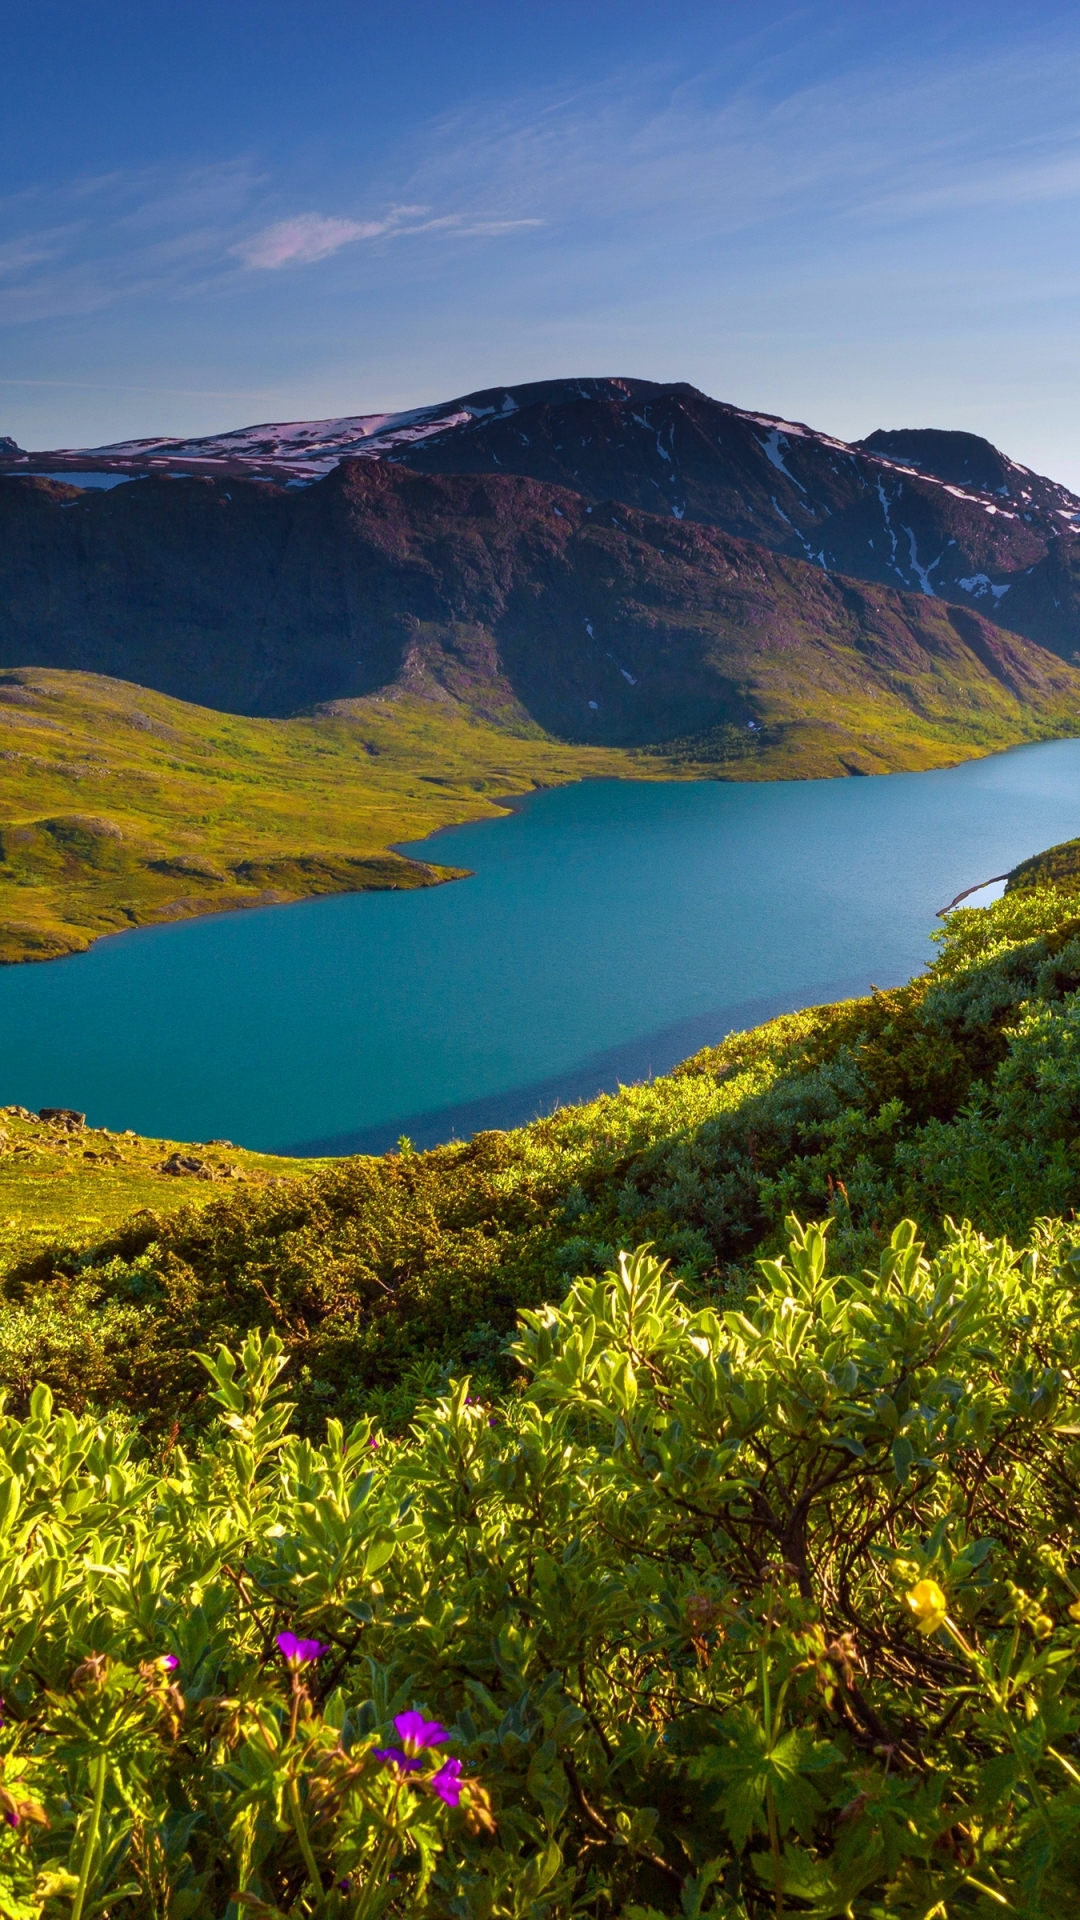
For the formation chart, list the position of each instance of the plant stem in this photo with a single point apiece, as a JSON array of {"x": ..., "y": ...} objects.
[
  {"x": 97, "y": 1775},
  {"x": 300, "y": 1827},
  {"x": 373, "y": 1881},
  {"x": 381, "y": 1860},
  {"x": 1004, "y": 1717},
  {"x": 774, "y": 1849}
]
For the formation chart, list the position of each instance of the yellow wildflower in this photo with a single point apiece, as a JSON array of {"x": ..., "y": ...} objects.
[
  {"x": 1074, "y": 1610},
  {"x": 928, "y": 1604}
]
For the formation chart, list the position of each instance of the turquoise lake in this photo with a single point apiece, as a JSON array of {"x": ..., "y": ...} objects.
[{"x": 609, "y": 930}]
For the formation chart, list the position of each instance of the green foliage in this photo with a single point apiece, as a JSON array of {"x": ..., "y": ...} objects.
[
  {"x": 1056, "y": 867},
  {"x": 958, "y": 1095},
  {"x": 745, "y": 1613}
]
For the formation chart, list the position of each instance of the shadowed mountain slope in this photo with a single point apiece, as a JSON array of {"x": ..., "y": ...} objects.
[
  {"x": 943, "y": 514},
  {"x": 517, "y": 599}
]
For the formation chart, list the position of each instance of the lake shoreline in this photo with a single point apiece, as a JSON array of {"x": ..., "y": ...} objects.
[
  {"x": 132, "y": 809},
  {"x": 610, "y": 927}
]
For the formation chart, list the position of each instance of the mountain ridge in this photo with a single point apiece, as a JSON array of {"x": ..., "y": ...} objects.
[
  {"x": 519, "y": 600},
  {"x": 925, "y": 510}
]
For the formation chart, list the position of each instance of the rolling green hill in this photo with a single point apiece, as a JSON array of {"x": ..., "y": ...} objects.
[
  {"x": 60, "y": 1179},
  {"x": 120, "y": 807},
  {"x": 1056, "y": 867}
]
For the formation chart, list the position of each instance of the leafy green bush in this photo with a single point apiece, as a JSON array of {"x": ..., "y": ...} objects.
[
  {"x": 757, "y": 1613},
  {"x": 958, "y": 1093}
]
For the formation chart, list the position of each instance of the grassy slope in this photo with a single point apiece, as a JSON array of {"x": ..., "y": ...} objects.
[
  {"x": 1057, "y": 867},
  {"x": 958, "y": 1095},
  {"x": 82, "y": 1184},
  {"x": 120, "y": 807}
]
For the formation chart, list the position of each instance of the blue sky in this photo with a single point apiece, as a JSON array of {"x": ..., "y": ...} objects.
[{"x": 858, "y": 215}]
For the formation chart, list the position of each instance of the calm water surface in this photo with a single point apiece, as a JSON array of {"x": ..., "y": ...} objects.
[{"x": 609, "y": 930}]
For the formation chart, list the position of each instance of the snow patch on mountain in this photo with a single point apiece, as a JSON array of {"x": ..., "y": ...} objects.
[
  {"x": 770, "y": 447},
  {"x": 922, "y": 573},
  {"x": 308, "y": 448},
  {"x": 980, "y": 584}
]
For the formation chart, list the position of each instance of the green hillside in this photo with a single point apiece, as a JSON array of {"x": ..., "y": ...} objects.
[
  {"x": 121, "y": 807},
  {"x": 1057, "y": 867},
  {"x": 59, "y": 1179}
]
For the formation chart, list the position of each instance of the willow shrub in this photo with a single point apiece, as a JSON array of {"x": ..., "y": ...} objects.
[{"x": 756, "y": 1613}]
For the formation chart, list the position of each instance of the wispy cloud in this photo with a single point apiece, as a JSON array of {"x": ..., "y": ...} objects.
[
  {"x": 30, "y": 251},
  {"x": 742, "y": 223},
  {"x": 1017, "y": 182},
  {"x": 691, "y": 156},
  {"x": 305, "y": 238},
  {"x": 308, "y": 237},
  {"x": 148, "y": 233},
  {"x": 84, "y": 246}
]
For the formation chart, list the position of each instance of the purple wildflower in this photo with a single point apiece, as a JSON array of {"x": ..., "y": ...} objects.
[
  {"x": 446, "y": 1783},
  {"x": 297, "y": 1652},
  {"x": 169, "y": 1662},
  {"x": 416, "y": 1733},
  {"x": 11, "y": 1815},
  {"x": 393, "y": 1757}
]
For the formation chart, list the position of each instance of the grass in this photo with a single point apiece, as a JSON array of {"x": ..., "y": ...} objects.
[{"x": 80, "y": 1184}]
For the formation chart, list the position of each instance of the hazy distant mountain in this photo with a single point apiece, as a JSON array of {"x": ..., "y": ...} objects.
[
  {"x": 943, "y": 514},
  {"x": 520, "y": 599}
]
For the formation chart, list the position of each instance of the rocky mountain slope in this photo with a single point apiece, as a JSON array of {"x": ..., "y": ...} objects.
[
  {"x": 515, "y": 598},
  {"x": 942, "y": 514}
]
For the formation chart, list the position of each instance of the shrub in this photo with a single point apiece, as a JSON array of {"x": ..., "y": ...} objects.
[{"x": 758, "y": 1612}]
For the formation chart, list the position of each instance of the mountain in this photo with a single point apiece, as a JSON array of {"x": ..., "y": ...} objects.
[
  {"x": 942, "y": 514},
  {"x": 517, "y": 600}
]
